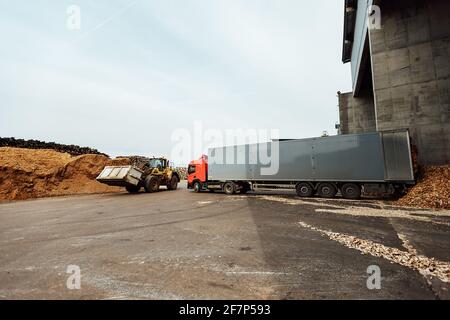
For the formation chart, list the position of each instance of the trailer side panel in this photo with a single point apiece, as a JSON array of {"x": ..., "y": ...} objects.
[
  {"x": 368, "y": 157},
  {"x": 349, "y": 158}
]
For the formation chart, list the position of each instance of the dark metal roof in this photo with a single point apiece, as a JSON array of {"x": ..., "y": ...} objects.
[{"x": 349, "y": 29}]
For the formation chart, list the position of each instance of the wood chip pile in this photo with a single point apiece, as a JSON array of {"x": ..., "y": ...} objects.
[
  {"x": 432, "y": 189},
  {"x": 29, "y": 173}
]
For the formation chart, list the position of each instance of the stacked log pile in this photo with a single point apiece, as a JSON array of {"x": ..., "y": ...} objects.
[
  {"x": 182, "y": 171},
  {"x": 140, "y": 161},
  {"x": 73, "y": 150}
]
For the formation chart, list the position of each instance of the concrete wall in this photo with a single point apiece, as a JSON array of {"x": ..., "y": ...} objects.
[
  {"x": 411, "y": 69},
  {"x": 356, "y": 114}
]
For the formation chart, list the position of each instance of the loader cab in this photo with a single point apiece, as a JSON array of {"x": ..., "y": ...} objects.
[
  {"x": 159, "y": 163},
  {"x": 197, "y": 171},
  {"x": 157, "y": 166}
]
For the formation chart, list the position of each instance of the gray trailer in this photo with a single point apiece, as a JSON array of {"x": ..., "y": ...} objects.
[{"x": 378, "y": 162}]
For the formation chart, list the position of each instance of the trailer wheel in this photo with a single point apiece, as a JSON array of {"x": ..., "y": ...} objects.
[
  {"x": 151, "y": 184},
  {"x": 133, "y": 189},
  {"x": 351, "y": 191},
  {"x": 229, "y": 188},
  {"x": 326, "y": 190},
  {"x": 173, "y": 183},
  {"x": 304, "y": 190},
  {"x": 197, "y": 186}
]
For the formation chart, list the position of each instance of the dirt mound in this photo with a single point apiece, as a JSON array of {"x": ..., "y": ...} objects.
[
  {"x": 432, "y": 189},
  {"x": 29, "y": 173}
]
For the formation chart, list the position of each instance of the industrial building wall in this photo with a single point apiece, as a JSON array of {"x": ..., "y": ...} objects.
[
  {"x": 356, "y": 114},
  {"x": 411, "y": 73}
]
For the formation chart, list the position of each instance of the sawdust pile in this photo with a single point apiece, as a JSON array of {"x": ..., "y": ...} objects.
[
  {"x": 30, "y": 173},
  {"x": 432, "y": 189}
]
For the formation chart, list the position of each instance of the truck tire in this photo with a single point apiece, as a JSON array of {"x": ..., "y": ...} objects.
[
  {"x": 351, "y": 191},
  {"x": 133, "y": 189},
  {"x": 151, "y": 184},
  {"x": 304, "y": 190},
  {"x": 197, "y": 187},
  {"x": 229, "y": 188},
  {"x": 326, "y": 190},
  {"x": 173, "y": 183}
]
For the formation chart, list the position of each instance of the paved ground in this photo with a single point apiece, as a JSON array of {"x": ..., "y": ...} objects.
[{"x": 177, "y": 244}]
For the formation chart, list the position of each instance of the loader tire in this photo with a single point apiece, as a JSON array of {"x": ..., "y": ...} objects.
[
  {"x": 173, "y": 183},
  {"x": 151, "y": 184},
  {"x": 133, "y": 189}
]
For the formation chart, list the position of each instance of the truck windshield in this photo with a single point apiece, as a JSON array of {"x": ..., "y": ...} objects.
[{"x": 191, "y": 169}]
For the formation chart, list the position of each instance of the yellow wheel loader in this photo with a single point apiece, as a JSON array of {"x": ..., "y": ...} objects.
[{"x": 148, "y": 173}]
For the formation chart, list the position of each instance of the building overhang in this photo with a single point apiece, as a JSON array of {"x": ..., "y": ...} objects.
[{"x": 349, "y": 29}]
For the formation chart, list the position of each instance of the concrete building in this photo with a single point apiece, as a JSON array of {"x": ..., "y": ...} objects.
[{"x": 400, "y": 65}]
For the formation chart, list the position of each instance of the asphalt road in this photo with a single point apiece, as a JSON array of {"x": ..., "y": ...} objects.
[{"x": 182, "y": 245}]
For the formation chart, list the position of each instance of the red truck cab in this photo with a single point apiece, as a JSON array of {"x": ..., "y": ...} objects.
[{"x": 197, "y": 173}]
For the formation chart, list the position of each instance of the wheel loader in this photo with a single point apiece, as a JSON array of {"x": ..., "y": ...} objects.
[{"x": 148, "y": 173}]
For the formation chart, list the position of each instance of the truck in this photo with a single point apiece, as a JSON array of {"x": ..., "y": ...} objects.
[
  {"x": 149, "y": 173},
  {"x": 373, "y": 163}
]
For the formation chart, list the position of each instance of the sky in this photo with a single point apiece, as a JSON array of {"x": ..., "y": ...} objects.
[{"x": 136, "y": 72}]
